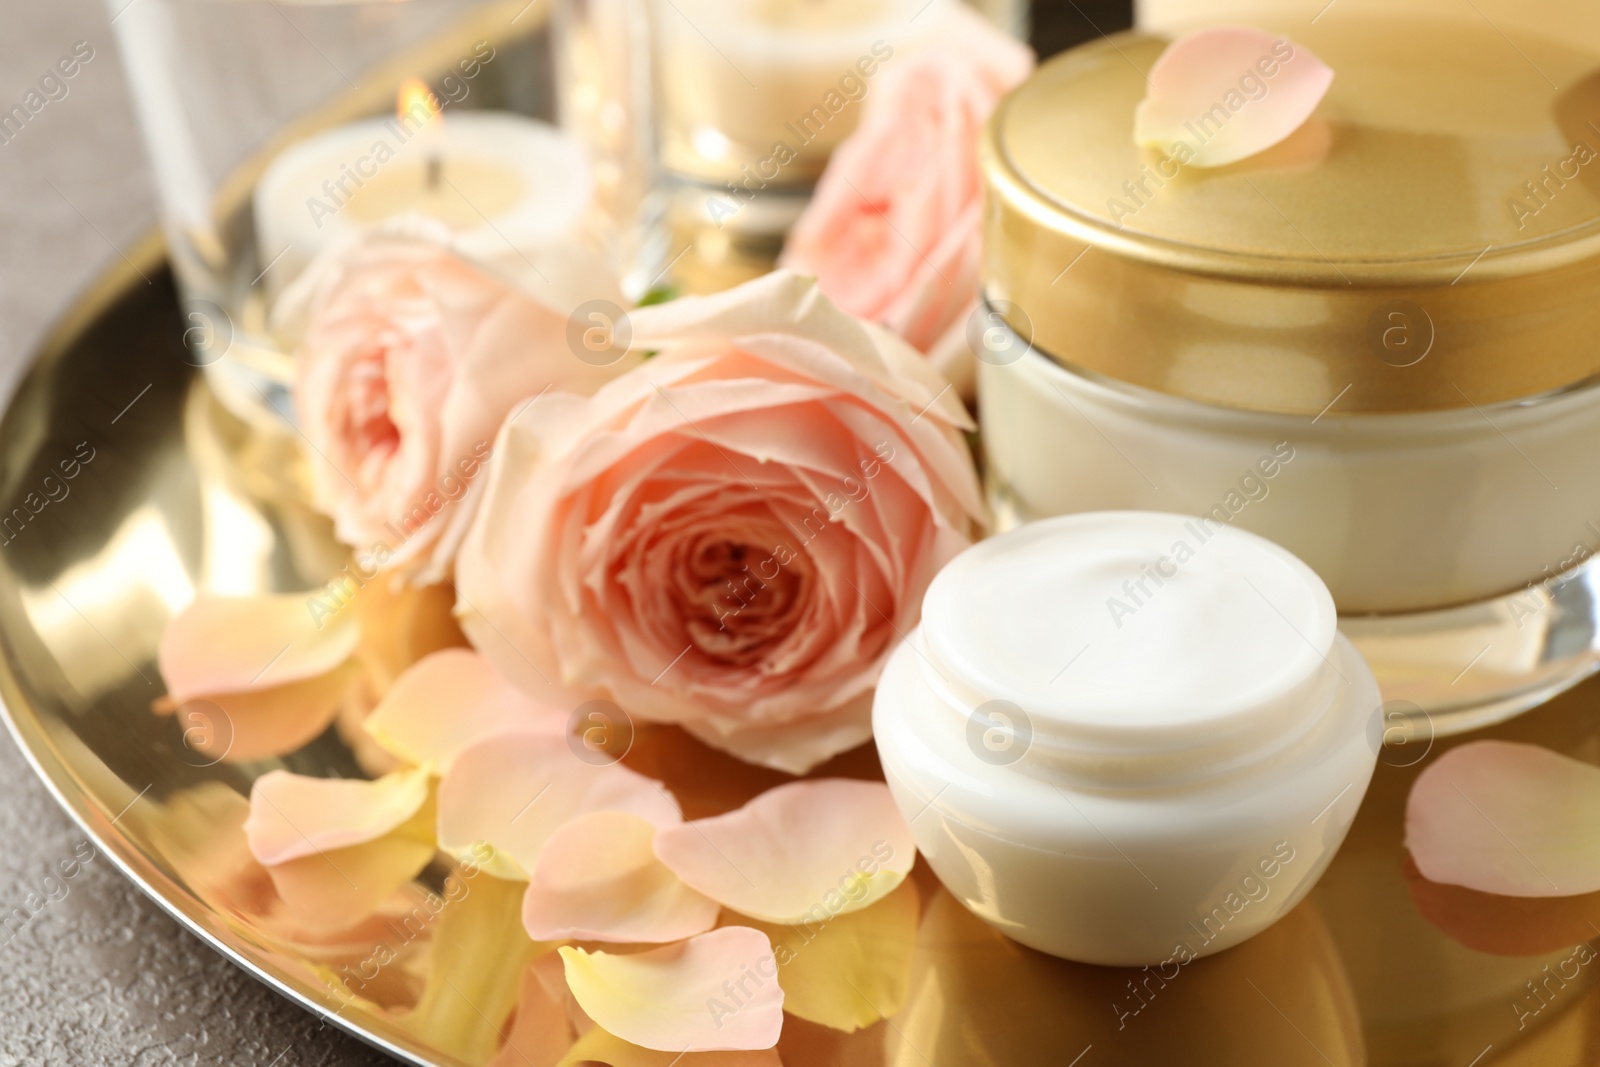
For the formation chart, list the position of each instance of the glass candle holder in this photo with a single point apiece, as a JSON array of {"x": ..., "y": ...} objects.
[
  {"x": 279, "y": 128},
  {"x": 1574, "y": 20},
  {"x": 1373, "y": 343},
  {"x": 751, "y": 99}
]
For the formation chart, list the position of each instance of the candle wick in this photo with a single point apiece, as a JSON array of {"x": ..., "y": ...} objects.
[{"x": 435, "y": 172}]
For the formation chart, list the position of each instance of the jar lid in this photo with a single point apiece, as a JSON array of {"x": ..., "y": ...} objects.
[
  {"x": 1429, "y": 239},
  {"x": 1130, "y": 640}
]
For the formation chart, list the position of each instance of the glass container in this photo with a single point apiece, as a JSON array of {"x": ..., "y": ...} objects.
[
  {"x": 751, "y": 98},
  {"x": 278, "y": 129}
]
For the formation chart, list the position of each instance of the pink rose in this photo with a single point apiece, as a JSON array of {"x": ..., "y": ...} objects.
[
  {"x": 893, "y": 233},
  {"x": 409, "y": 358},
  {"x": 732, "y": 535}
]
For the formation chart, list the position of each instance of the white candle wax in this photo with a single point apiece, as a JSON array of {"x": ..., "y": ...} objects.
[
  {"x": 1575, "y": 22},
  {"x": 740, "y": 78},
  {"x": 503, "y": 182}
]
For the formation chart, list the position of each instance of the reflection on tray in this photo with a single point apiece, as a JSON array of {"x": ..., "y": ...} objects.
[{"x": 1376, "y": 966}]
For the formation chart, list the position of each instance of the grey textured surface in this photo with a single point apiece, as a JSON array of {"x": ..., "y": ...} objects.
[{"x": 99, "y": 974}]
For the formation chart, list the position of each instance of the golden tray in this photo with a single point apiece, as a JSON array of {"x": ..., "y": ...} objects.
[{"x": 177, "y": 498}]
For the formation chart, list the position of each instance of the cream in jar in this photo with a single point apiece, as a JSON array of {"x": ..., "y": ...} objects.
[{"x": 1127, "y": 736}]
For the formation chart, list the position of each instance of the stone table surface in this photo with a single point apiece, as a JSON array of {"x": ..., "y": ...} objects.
[{"x": 102, "y": 975}]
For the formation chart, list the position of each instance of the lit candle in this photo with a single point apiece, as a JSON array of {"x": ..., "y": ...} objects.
[
  {"x": 501, "y": 181},
  {"x": 772, "y": 85}
]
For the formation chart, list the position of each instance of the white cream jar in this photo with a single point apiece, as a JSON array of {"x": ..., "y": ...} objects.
[{"x": 1128, "y": 738}]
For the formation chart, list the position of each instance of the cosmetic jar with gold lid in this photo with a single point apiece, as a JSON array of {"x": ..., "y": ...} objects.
[{"x": 1375, "y": 343}]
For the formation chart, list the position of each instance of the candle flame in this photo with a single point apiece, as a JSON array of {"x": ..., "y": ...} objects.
[{"x": 416, "y": 104}]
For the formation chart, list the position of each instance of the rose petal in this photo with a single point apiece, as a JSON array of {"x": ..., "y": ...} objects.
[
  {"x": 401, "y": 624},
  {"x": 598, "y": 879},
  {"x": 802, "y": 852},
  {"x": 235, "y": 644},
  {"x": 852, "y": 970},
  {"x": 374, "y": 760},
  {"x": 339, "y": 888},
  {"x": 599, "y": 1046},
  {"x": 310, "y": 912},
  {"x": 449, "y": 701},
  {"x": 540, "y": 1034},
  {"x": 1503, "y": 926},
  {"x": 263, "y": 723},
  {"x": 1198, "y": 78},
  {"x": 478, "y": 954},
  {"x": 516, "y": 790},
  {"x": 292, "y": 816},
  {"x": 794, "y": 747},
  {"x": 677, "y": 998},
  {"x": 1513, "y": 819}
]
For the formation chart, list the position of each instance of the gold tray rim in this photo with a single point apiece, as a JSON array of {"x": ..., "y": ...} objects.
[{"x": 83, "y": 804}]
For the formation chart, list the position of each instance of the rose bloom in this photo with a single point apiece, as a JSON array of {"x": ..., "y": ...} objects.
[
  {"x": 893, "y": 233},
  {"x": 409, "y": 358},
  {"x": 732, "y": 535}
]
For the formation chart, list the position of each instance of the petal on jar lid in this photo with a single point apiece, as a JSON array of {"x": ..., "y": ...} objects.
[
  {"x": 803, "y": 852},
  {"x": 233, "y": 644},
  {"x": 1219, "y": 95},
  {"x": 715, "y": 992},
  {"x": 1513, "y": 819},
  {"x": 598, "y": 879},
  {"x": 449, "y": 701},
  {"x": 292, "y": 816},
  {"x": 513, "y": 791}
]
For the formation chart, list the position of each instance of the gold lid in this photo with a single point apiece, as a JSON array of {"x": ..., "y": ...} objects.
[{"x": 1430, "y": 239}]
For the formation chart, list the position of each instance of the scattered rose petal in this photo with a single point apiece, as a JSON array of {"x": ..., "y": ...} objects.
[
  {"x": 852, "y": 970},
  {"x": 795, "y": 747},
  {"x": 237, "y": 644},
  {"x": 478, "y": 956},
  {"x": 513, "y": 791},
  {"x": 807, "y": 1042},
  {"x": 802, "y": 852},
  {"x": 200, "y": 832},
  {"x": 350, "y": 723},
  {"x": 1503, "y": 926},
  {"x": 714, "y": 992},
  {"x": 339, "y": 888},
  {"x": 598, "y": 879},
  {"x": 449, "y": 701},
  {"x": 1506, "y": 818},
  {"x": 1212, "y": 101},
  {"x": 600, "y": 1047},
  {"x": 261, "y": 723},
  {"x": 539, "y": 1034},
  {"x": 292, "y": 816},
  {"x": 401, "y": 624}
]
